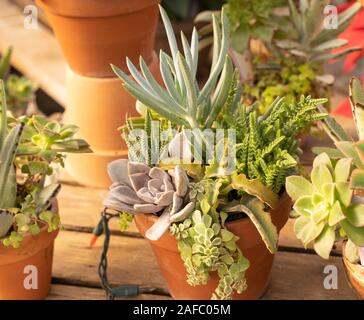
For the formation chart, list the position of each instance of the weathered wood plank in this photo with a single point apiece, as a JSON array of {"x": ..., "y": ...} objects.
[
  {"x": 64, "y": 292},
  {"x": 35, "y": 51},
  {"x": 131, "y": 261}
]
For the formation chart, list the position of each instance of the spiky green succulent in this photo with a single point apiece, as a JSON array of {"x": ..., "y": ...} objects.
[{"x": 182, "y": 101}]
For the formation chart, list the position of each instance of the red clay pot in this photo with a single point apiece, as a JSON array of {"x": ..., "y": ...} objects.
[
  {"x": 35, "y": 251},
  {"x": 94, "y": 33},
  {"x": 355, "y": 274},
  {"x": 250, "y": 243}
]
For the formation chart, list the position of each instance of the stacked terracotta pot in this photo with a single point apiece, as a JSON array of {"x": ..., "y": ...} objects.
[{"x": 92, "y": 35}]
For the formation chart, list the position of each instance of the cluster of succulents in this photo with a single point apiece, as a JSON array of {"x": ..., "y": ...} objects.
[
  {"x": 20, "y": 90},
  {"x": 29, "y": 148},
  {"x": 331, "y": 208},
  {"x": 267, "y": 151}
]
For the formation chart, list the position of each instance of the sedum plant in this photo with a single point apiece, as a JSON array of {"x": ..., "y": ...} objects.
[
  {"x": 28, "y": 150},
  {"x": 332, "y": 208},
  {"x": 267, "y": 151}
]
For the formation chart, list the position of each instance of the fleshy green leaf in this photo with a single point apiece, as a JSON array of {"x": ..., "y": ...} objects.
[
  {"x": 297, "y": 186},
  {"x": 355, "y": 214},
  {"x": 342, "y": 170},
  {"x": 321, "y": 175},
  {"x": 336, "y": 214},
  {"x": 354, "y": 234},
  {"x": 324, "y": 242}
]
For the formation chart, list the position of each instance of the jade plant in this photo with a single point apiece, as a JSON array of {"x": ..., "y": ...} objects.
[
  {"x": 330, "y": 208},
  {"x": 290, "y": 57},
  {"x": 29, "y": 149},
  {"x": 20, "y": 90},
  {"x": 266, "y": 151}
]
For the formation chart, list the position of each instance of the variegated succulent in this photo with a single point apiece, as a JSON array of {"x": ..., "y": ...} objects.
[{"x": 137, "y": 188}]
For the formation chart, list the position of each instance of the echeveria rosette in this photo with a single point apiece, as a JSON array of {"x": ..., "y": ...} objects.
[
  {"x": 137, "y": 188},
  {"x": 325, "y": 206}
]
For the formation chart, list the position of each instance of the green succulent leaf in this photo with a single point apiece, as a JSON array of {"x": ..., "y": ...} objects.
[
  {"x": 355, "y": 234},
  {"x": 355, "y": 214},
  {"x": 357, "y": 179},
  {"x": 343, "y": 193},
  {"x": 297, "y": 186},
  {"x": 324, "y": 242},
  {"x": 342, "y": 170},
  {"x": 336, "y": 214},
  {"x": 254, "y": 188},
  {"x": 321, "y": 175}
]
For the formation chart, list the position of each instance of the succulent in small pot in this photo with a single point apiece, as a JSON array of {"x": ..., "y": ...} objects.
[
  {"x": 29, "y": 219},
  {"x": 331, "y": 208},
  {"x": 223, "y": 236}
]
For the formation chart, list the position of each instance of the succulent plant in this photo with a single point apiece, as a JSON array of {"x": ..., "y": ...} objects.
[
  {"x": 312, "y": 42},
  {"x": 326, "y": 209},
  {"x": 137, "y": 188},
  {"x": 182, "y": 102},
  {"x": 28, "y": 148}
]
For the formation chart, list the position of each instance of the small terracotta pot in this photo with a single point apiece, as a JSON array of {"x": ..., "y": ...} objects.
[
  {"x": 33, "y": 259},
  {"x": 250, "y": 243},
  {"x": 355, "y": 274},
  {"x": 94, "y": 33}
]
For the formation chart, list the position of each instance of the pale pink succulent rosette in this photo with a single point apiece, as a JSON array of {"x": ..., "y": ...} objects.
[{"x": 137, "y": 188}]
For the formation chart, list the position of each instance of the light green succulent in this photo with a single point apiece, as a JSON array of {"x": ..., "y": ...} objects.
[{"x": 325, "y": 208}]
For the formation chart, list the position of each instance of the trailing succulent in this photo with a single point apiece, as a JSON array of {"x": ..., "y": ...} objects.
[
  {"x": 266, "y": 152},
  {"x": 20, "y": 90},
  {"x": 331, "y": 208},
  {"x": 29, "y": 147}
]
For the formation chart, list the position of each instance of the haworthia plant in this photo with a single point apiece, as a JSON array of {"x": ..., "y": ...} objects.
[{"x": 183, "y": 102}]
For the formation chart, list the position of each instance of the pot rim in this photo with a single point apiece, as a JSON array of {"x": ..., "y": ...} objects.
[{"x": 71, "y": 8}]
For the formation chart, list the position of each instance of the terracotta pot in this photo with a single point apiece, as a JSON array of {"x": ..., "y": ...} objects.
[
  {"x": 34, "y": 258},
  {"x": 250, "y": 243},
  {"x": 94, "y": 33},
  {"x": 99, "y": 106},
  {"x": 355, "y": 274}
]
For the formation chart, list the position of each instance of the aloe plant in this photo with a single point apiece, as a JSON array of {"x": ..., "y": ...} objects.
[{"x": 28, "y": 150}]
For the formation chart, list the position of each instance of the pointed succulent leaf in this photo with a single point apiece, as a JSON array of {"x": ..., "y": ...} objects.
[
  {"x": 307, "y": 230},
  {"x": 331, "y": 152},
  {"x": 356, "y": 96},
  {"x": 343, "y": 169},
  {"x": 343, "y": 193},
  {"x": 324, "y": 159},
  {"x": 255, "y": 188},
  {"x": 348, "y": 149},
  {"x": 331, "y": 44},
  {"x": 297, "y": 186},
  {"x": 304, "y": 206},
  {"x": 324, "y": 242},
  {"x": 320, "y": 175},
  {"x": 5, "y": 63},
  {"x": 262, "y": 220},
  {"x": 355, "y": 214},
  {"x": 351, "y": 252},
  {"x": 336, "y": 214},
  {"x": 355, "y": 234},
  {"x": 357, "y": 179}
]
